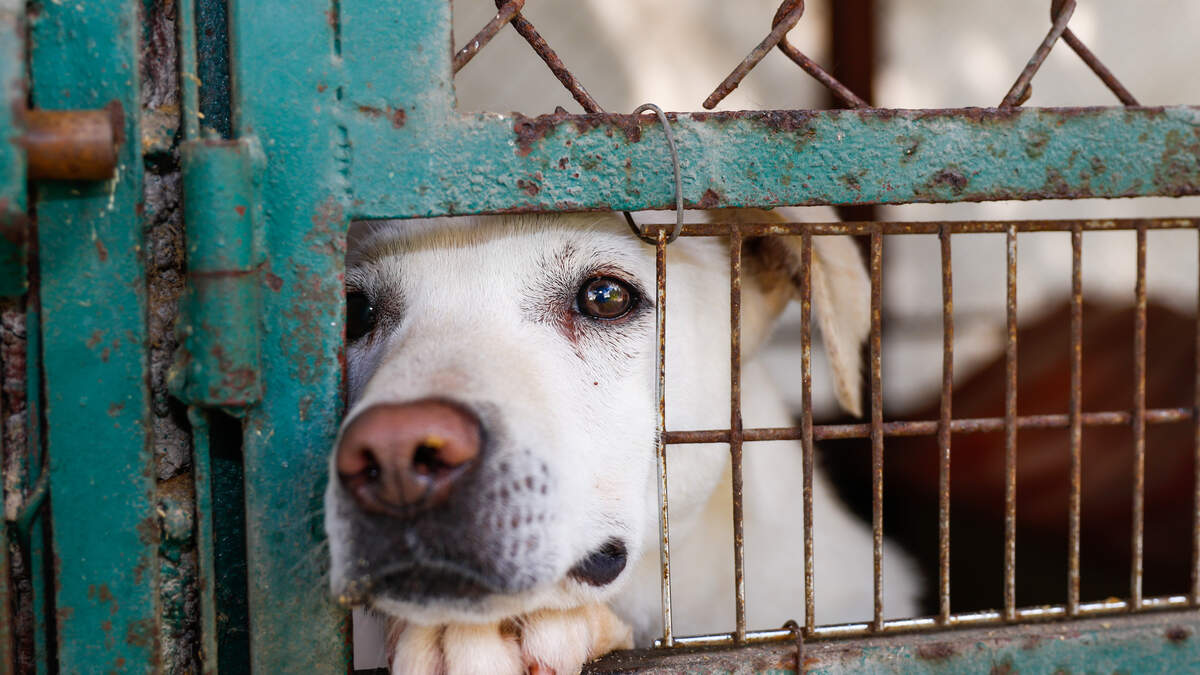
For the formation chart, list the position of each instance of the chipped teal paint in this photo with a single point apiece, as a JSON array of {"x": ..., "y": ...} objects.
[
  {"x": 105, "y": 531},
  {"x": 483, "y": 162},
  {"x": 285, "y": 75},
  {"x": 12, "y": 159}
]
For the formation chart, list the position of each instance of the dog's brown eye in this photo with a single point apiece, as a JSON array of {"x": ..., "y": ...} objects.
[
  {"x": 360, "y": 315},
  {"x": 605, "y": 298}
]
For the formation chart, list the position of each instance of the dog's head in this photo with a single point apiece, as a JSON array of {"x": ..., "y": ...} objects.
[{"x": 498, "y": 453}]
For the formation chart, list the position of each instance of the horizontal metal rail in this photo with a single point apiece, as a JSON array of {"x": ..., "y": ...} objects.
[
  {"x": 984, "y": 618},
  {"x": 825, "y": 432},
  {"x": 463, "y": 164}
]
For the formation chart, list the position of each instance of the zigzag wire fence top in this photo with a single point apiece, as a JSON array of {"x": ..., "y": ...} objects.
[{"x": 1138, "y": 416}]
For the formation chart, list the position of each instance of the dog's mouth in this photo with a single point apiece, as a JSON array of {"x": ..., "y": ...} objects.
[
  {"x": 602, "y": 566},
  {"x": 416, "y": 582}
]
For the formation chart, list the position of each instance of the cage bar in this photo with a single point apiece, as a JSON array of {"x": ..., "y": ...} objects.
[
  {"x": 806, "y": 429},
  {"x": 944, "y": 428},
  {"x": 876, "y": 270},
  {"x": 1139, "y": 426},
  {"x": 1075, "y": 421},
  {"x": 1010, "y": 433},
  {"x": 735, "y": 426},
  {"x": 660, "y": 328}
]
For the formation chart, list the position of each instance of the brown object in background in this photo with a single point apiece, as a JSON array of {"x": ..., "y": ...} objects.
[{"x": 1043, "y": 464}]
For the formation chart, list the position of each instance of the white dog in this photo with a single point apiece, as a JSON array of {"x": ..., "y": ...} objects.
[{"x": 493, "y": 489}]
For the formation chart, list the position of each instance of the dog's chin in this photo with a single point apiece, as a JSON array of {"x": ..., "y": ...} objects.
[{"x": 430, "y": 596}]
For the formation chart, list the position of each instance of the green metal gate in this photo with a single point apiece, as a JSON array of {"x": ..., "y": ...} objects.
[{"x": 314, "y": 114}]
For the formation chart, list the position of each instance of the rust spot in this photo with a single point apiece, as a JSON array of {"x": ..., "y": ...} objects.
[
  {"x": 94, "y": 339},
  {"x": 709, "y": 200},
  {"x": 530, "y": 130},
  {"x": 938, "y": 651},
  {"x": 321, "y": 87},
  {"x": 1178, "y": 634},
  {"x": 140, "y": 633},
  {"x": 397, "y": 115},
  {"x": 562, "y": 163},
  {"x": 274, "y": 281},
  {"x": 101, "y": 250},
  {"x": 147, "y": 530},
  {"x": 529, "y": 187},
  {"x": 240, "y": 210},
  {"x": 786, "y": 121},
  {"x": 1003, "y": 668},
  {"x": 115, "y": 409}
]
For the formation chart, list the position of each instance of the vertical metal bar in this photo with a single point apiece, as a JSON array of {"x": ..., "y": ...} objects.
[
  {"x": 877, "y": 421},
  {"x": 944, "y": 429},
  {"x": 735, "y": 425},
  {"x": 287, "y": 437},
  {"x": 806, "y": 428},
  {"x": 202, "y": 475},
  {"x": 1139, "y": 425},
  {"x": 105, "y": 531},
  {"x": 1010, "y": 434},
  {"x": 189, "y": 82},
  {"x": 664, "y": 550},
  {"x": 1076, "y": 413}
]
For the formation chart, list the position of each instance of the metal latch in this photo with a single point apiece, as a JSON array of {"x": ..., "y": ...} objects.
[
  {"x": 71, "y": 144},
  {"x": 219, "y": 362}
]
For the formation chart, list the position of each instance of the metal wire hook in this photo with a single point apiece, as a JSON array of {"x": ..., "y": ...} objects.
[{"x": 662, "y": 118}]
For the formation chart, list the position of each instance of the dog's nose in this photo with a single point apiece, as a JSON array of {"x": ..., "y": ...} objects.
[{"x": 395, "y": 456}]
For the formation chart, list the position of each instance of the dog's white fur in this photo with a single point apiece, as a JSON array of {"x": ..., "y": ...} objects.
[{"x": 585, "y": 409}]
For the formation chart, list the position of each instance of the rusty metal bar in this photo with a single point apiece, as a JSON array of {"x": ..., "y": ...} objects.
[
  {"x": 1139, "y": 426},
  {"x": 1075, "y": 421},
  {"x": 839, "y": 90},
  {"x": 944, "y": 429},
  {"x": 876, "y": 269},
  {"x": 1061, "y": 10},
  {"x": 1010, "y": 434},
  {"x": 806, "y": 429},
  {"x": 506, "y": 12},
  {"x": 660, "y": 384},
  {"x": 72, "y": 144},
  {"x": 786, "y": 18},
  {"x": 1114, "y": 85},
  {"x": 547, "y": 54},
  {"x": 929, "y": 624},
  {"x": 719, "y": 229},
  {"x": 827, "y": 432},
  {"x": 735, "y": 425}
]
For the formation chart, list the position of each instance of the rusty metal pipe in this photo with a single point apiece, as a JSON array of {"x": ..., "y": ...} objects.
[{"x": 72, "y": 144}]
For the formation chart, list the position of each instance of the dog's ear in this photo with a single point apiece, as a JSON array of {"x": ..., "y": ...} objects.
[{"x": 841, "y": 294}]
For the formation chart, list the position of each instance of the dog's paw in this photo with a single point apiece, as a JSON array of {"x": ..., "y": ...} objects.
[
  {"x": 548, "y": 642},
  {"x": 561, "y": 641}
]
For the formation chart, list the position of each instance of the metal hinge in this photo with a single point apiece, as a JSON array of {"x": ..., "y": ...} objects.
[{"x": 218, "y": 365}]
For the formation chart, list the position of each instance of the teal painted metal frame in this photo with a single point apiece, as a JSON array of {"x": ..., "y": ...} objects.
[
  {"x": 101, "y": 467},
  {"x": 353, "y": 105}
]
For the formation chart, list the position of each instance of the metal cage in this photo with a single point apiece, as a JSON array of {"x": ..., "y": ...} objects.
[{"x": 287, "y": 127}]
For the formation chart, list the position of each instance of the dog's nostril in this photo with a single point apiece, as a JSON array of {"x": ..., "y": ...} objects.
[
  {"x": 603, "y": 565},
  {"x": 427, "y": 457}
]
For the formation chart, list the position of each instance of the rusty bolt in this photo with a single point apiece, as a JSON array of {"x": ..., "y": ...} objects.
[{"x": 72, "y": 144}]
